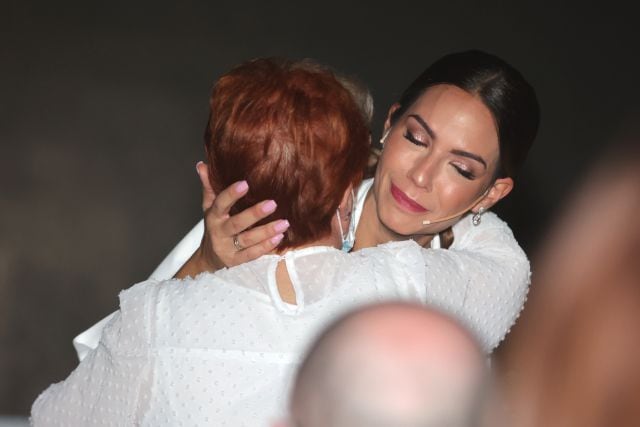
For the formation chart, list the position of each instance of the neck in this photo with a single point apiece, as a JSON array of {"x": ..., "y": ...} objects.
[
  {"x": 329, "y": 240},
  {"x": 372, "y": 232},
  {"x": 283, "y": 280}
]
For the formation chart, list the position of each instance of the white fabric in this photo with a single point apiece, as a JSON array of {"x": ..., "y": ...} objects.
[
  {"x": 221, "y": 349},
  {"x": 88, "y": 340}
]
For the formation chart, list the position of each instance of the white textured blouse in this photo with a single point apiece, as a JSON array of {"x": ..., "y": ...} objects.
[
  {"x": 221, "y": 349},
  {"x": 487, "y": 256}
]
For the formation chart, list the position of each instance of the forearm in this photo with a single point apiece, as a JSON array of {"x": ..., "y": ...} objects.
[{"x": 196, "y": 264}]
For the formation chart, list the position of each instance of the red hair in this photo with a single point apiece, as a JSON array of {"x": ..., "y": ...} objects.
[{"x": 296, "y": 135}]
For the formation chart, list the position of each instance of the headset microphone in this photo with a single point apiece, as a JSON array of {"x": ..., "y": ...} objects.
[
  {"x": 430, "y": 222},
  {"x": 384, "y": 136}
]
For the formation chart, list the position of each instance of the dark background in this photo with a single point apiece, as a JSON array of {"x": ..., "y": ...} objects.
[{"x": 102, "y": 108}]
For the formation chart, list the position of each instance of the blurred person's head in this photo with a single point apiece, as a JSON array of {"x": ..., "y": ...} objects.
[
  {"x": 389, "y": 365},
  {"x": 574, "y": 359},
  {"x": 296, "y": 135}
]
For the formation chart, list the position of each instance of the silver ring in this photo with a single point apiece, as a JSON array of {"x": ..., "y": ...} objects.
[{"x": 237, "y": 244}]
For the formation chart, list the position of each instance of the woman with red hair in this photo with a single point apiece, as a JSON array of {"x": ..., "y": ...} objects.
[
  {"x": 221, "y": 348},
  {"x": 453, "y": 145}
]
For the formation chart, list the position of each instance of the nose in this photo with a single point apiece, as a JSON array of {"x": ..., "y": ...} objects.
[{"x": 423, "y": 172}]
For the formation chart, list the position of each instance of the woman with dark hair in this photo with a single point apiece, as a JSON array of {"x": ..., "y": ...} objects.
[
  {"x": 220, "y": 348},
  {"x": 452, "y": 147}
]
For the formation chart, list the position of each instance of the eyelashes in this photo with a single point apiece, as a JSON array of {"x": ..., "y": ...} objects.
[
  {"x": 412, "y": 139},
  {"x": 465, "y": 173},
  {"x": 415, "y": 141}
]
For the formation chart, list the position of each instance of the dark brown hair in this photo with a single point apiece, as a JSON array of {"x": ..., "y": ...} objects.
[{"x": 510, "y": 98}]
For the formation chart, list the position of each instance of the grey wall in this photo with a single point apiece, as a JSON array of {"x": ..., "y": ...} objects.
[{"x": 102, "y": 107}]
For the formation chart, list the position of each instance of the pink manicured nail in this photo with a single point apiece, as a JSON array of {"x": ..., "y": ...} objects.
[
  {"x": 269, "y": 206},
  {"x": 281, "y": 225},
  {"x": 241, "y": 186},
  {"x": 277, "y": 238}
]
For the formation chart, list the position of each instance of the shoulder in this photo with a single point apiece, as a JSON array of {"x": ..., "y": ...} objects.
[
  {"x": 491, "y": 235},
  {"x": 127, "y": 332},
  {"x": 137, "y": 296},
  {"x": 403, "y": 258},
  {"x": 489, "y": 221},
  {"x": 151, "y": 292},
  {"x": 390, "y": 250}
]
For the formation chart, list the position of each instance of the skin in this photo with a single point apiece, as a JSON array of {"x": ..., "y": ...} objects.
[
  {"x": 446, "y": 134},
  {"x": 398, "y": 360},
  {"x": 259, "y": 241},
  {"x": 438, "y": 161}
]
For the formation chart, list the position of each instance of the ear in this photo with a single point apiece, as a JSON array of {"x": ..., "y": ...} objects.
[
  {"x": 500, "y": 188},
  {"x": 208, "y": 196},
  {"x": 346, "y": 201},
  {"x": 387, "y": 122}
]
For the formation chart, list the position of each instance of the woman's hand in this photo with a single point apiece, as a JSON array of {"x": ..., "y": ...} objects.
[{"x": 226, "y": 241}]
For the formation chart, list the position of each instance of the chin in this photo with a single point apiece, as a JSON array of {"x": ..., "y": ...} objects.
[{"x": 402, "y": 224}]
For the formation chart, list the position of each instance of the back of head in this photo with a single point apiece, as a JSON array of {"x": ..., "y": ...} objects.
[
  {"x": 389, "y": 365},
  {"x": 295, "y": 134},
  {"x": 504, "y": 91},
  {"x": 357, "y": 89}
]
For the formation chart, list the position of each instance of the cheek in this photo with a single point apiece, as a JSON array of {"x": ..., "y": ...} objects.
[
  {"x": 455, "y": 195},
  {"x": 395, "y": 160}
]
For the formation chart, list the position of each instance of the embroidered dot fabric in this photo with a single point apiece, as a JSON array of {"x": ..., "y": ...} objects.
[{"x": 221, "y": 349}]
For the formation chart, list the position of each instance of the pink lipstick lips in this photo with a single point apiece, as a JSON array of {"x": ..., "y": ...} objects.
[{"x": 405, "y": 201}]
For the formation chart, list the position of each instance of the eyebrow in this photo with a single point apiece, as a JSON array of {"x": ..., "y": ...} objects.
[
  {"x": 470, "y": 155},
  {"x": 424, "y": 124}
]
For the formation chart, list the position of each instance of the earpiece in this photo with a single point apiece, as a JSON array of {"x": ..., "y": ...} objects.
[
  {"x": 384, "y": 136},
  {"x": 476, "y": 216}
]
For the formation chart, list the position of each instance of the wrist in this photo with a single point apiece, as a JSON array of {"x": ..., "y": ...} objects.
[
  {"x": 205, "y": 262},
  {"x": 196, "y": 264}
]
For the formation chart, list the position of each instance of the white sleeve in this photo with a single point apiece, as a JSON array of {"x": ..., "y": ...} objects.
[
  {"x": 105, "y": 388},
  {"x": 483, "y": 279},
  {"x": 88, "y": 340}
]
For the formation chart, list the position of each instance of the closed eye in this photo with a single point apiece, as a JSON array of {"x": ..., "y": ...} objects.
[
  {"x": 465, "y": 173},
  {"x": 411, "y": 138}
]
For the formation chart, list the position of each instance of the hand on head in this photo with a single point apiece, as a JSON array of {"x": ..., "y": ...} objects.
[{"x": 231, "y": 240}]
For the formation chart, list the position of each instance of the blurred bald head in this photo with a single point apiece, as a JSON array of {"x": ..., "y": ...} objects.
[{"x": 393, "y": 364}]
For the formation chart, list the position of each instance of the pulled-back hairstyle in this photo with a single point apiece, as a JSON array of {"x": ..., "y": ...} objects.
[
  {"x": 294, "y": 134},
  {"x": 503, "y": 90}
]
